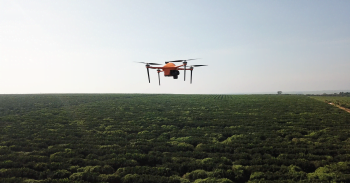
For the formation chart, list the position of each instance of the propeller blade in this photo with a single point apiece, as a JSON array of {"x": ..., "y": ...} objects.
[
  {"x": 149, "y": 63},
  {"x": 158, "y": 77},
  {"x": 176, "y": 61},
  {"x": 149, "y": 80},
  {"x": 193, "y": 59},
  {"x": 185, "y": 73},
  {"x": 198, "y": 65},
  {"x": 183, "y": 60},
  {"x": 191, "y": 76}
]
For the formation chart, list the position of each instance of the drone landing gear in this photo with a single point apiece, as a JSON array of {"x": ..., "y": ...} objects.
[
  {"x": 158, "y": 76},
  {"x": 191, "y": 75}
]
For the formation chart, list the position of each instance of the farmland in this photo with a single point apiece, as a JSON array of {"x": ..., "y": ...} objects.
[
  {"x": 172, "y": 138},
  {"x": 337, "y": 100}
]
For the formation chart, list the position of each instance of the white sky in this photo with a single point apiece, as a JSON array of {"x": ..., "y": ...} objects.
[{"x": 81, "y": 46}]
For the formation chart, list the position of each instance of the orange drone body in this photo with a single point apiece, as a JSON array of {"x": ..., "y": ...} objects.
[
  {"x": 170, "y": 69},
  {"x": 167, "y": 68}
]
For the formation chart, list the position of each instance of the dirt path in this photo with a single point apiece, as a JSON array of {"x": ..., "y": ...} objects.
[{"x": 340, "y": 107}]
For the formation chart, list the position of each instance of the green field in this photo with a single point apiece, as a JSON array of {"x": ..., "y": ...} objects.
[
  {"x": 341, "y": 101},
  {"x": 172, "y": 138}
]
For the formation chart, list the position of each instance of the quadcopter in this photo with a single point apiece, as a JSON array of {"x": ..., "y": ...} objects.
[{"x": 170, "y": 69}]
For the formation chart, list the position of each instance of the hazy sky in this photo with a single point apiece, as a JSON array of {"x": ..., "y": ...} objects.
[{"x": 81, "y": 46}]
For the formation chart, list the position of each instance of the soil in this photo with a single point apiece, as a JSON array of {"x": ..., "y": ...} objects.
[{"x": 340, "y": 107}]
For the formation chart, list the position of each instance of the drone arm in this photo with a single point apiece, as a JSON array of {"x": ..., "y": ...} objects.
[{"x": 184, "y": 64}]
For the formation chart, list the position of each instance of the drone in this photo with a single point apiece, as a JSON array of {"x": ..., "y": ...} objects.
[{"x": 170, "y": 69}]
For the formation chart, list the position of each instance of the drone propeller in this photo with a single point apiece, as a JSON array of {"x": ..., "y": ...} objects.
[
  {"x": 198, "y": 65},
  {"x": 149, "y": 63},
  {"x": 192, "y": 69},
  {"x": 185, "y": 63},
  {"x": 175, "y": 61},
  {"x": 183, "y": 60},
  {"x": 193, "y": 59}
]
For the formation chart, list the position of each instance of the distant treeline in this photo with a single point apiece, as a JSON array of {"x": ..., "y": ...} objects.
[{"x": 341, "y": 94}]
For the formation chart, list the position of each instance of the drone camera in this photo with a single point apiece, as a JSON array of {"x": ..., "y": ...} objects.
[{"x": 174, "y": 73}]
